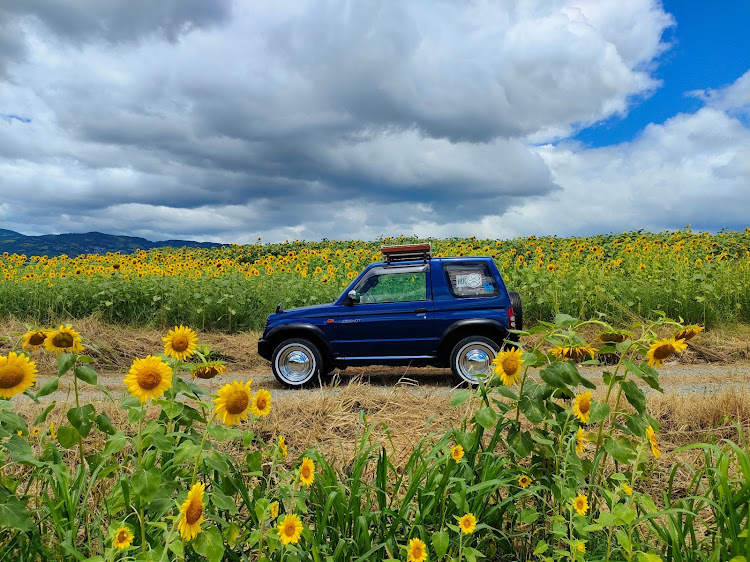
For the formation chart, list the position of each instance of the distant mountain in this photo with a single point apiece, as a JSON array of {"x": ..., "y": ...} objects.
[{"x": 88, "y": 243}]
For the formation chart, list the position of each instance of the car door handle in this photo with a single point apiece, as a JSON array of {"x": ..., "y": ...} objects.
[{"x": 421, "y": 311}]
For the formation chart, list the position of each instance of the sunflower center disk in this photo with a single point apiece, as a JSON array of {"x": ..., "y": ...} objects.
[
  {"x": 63, "y": 340},
  {"x": 193, "y": 512},
  {"x": 206, "y": 372},
  {"x": 584, "y": 406},
  {"x": 664, "y": 351},
  {"x": 149, "y": 380},
  {"x": 10, "y": 376},
  {"x": 37, "y": 339},
  {"x": 122, "y": 536},
  {"x": 261, "y": 403},
  {"x": 180, "y": 343},
  {"x": 510, "y": 365},
  {"x": 237, "y": 402},
  {"x": 290, "y": 529}
]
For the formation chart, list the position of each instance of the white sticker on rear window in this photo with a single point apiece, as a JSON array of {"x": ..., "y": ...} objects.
[{"x": 470, "y": 281}]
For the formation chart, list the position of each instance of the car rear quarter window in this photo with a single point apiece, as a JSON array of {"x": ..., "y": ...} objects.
[{"x": 470, "y": 280}]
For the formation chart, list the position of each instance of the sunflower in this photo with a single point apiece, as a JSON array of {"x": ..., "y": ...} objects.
[
  {"x": 307, "y": 472},
  {"x": 192, "y": 512},
  {"x": 233, "y": 402},
  {"x": 575, "y": 353},
  {"x": 417, "y": 551},
  {"x": 628, "y": 490},
  {"x": 123, "y": 538},
  {"x": 274, "y": 510},
  {"x": 148, "y": 378},
  {"x": 17, "y": 373},
  {"x": 34, "y": 339},
  {"x": 581, "y": 441},
  {"x": 63, "y": 340},
  {"x": 261, "y": 403},
  {"x": 651, "y": 435},
  {"x": 662, "y": 349},
  {"x": 582, "y": 406},
  {"x": 508, "y": 366},
  {"x": 581, "y": 504},
  {"x": 457, "y": 453},
  {"x": 613, "y": 337},
  {"x": 467, "y": 523},
  {"x": 180, "y": 343},
  {"x": 282, "y": 446},
  {"x": 581, "y": 547},
  {"x": 688, "y": 332},
  {"x": 208, "y": 370},
  {"x": 290, "y": 529},
  {"x": 524, "y": 481},
  {"x": 37, "y": 431}
]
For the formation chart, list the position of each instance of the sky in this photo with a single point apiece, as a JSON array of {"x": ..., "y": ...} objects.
[{"x": 233, "y": 120}]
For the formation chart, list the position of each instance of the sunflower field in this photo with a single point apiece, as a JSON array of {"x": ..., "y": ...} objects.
[
  {"x": 699, "y": 277},
  {"x": 537, "y": 469}
]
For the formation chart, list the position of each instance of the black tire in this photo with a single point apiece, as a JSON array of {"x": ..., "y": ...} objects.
[
  {"x": 297, "y": 363},
  {"x": 515, "y": 302},
  {"x": 472, "y": 357}
]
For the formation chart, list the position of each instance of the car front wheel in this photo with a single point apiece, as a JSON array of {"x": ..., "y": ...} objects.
[
  {"x": 297, "y": 363},
  {"x": 471, "y": 358}
]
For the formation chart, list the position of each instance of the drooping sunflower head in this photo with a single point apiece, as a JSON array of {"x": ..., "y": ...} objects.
[
  {"x": 233, "y": 402},
  {"x": 34, "y": 339},
  {"x": 274, "y": 510},
  {"x": 17, "y": 373},
  {"x": 508, "y": 366},
  {"x": 457, "y": 453},
  {"x": 180, "y": 343},
  {"x": 581, "y": 441},
  {"x": 208, "y": 370},
  {"x": 282, "y": 446},
  {"x": 467, "y": 523},
  {"x": 581, "y": 504},
  {"x": 651, "y": 435},
  {"x": 261, "y": 403},
  {"x": 524, "y": 481},
  {"x": 63, "y": 340},
  {"x": 148, "y": 378},
  {"x": 122, "y": 538},
  {"x": 191, "y": 512},
  {"x": 614, "y": 336},
  {"x": 688, "y": 332},
  {"x": 417, "y": 551},
  {"x": 307, "y": 472},
  {"x": 582, "y": 406},
  {"x": 661, "y": 350},
  {"x": 290, "y": 529},
  {"x": 575, "y": 353}
]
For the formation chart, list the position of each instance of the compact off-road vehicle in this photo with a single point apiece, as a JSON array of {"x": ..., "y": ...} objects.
[{"x": 411, "y": 309}]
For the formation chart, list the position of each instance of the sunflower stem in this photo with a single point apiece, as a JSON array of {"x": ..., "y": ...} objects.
[{"x": 141, "y": 514}]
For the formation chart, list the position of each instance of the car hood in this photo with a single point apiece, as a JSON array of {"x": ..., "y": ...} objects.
[{"x": 312, "y": 311}]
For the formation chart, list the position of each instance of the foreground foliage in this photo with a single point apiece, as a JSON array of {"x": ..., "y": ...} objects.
[
  {"x": 699, "y": 277},
  {"x": 537, "y": 470}
]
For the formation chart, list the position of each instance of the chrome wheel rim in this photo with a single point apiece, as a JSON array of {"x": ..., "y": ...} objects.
[
  {"x": 295, "y": 364},
  {"x": 474, "y": 361}
]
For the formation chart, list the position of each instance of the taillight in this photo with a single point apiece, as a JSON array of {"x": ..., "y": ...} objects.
[{"x": 511, "y": 318}]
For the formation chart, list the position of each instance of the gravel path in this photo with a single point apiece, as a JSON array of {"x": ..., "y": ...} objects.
[{"x": 675, "y": 378}]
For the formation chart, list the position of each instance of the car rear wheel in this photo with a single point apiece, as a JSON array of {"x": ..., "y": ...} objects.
[
  {"x": 297, "y": 363},
  {"x": 471, "y": 358}
]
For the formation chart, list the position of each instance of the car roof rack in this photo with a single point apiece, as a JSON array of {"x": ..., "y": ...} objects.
[{"x": 406, "y": 252}]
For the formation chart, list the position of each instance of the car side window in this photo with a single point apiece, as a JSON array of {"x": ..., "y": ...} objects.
[
  {"x": 393, "y": 286},
  {"x": 471, "y": 280}
]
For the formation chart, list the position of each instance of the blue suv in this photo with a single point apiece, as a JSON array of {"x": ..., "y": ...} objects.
[{"x": 411, "y": 309}]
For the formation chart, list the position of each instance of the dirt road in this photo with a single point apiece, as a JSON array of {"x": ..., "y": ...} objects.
[{"x": 675, "y": 378}]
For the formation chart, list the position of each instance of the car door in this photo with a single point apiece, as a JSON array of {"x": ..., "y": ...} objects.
[{"x": 394, "y": 315}]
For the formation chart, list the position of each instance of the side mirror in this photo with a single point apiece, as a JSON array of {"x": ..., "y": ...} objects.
[{"x": 352, "y": 297}]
